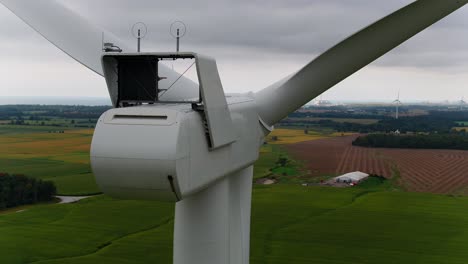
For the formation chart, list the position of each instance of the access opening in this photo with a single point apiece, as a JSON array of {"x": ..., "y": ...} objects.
[{"x": 137, "y": 79}]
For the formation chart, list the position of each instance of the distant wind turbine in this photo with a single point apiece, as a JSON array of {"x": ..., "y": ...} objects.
[
  {"x": 462, "y": 103},
  {"x": 397, "y": 103}
]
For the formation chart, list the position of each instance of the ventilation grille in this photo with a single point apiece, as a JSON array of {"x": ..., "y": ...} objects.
[{"x": 140, "y": 117}]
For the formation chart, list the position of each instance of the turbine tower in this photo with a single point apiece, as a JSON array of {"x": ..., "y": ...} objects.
[
  {"x": 200, "y": 153},
  {"x": 397, "y": 103}
]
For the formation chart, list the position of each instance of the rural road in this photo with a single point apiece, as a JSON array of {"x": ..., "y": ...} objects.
[{"x": 71, "y": 199}]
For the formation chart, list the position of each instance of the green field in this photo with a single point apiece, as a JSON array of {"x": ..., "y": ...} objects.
[
  {"x": 267, "y": 165},
  {"x": 42, "y": 152},
  {"x": 89, "y": 229},
  {"x": 290, "y": 224},
  {"x": 463, "y": 123}
]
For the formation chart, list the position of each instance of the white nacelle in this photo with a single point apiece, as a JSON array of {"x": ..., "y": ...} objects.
[{"x": 161, "y": 151}]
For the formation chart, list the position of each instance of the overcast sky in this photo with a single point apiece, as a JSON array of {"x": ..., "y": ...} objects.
[{"x": 256, "y": 42}]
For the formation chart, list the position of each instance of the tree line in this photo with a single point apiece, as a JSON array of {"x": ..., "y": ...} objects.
[
  {"x": 338, "y": 114},
  {"x": 16, "y": 190},
  {"x": 42, "y": 112},
  {"x": 430, "y": 141},
  {"x": 435, "y": 122}
]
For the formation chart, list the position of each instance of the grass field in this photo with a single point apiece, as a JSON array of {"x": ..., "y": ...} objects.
[
  {"x": 60, "y": 157},
  {"x": 268, "y": 156},
  {"x": 266, "y": 165},
  {"x": 90, "y": 227},
  {"x": 463, "y": 123},
  {"x": 290, "y": 224}
]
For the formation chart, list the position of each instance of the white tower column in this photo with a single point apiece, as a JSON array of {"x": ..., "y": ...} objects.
[{"x": 213, "y": 226}]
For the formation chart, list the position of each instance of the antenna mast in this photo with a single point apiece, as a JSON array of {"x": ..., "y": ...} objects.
[
  {"x": 139, "y": 31},
  {"x": 139, "y": 40},
  {"x": 178, "y": 39},
  {"x": 178, "y": 30}
]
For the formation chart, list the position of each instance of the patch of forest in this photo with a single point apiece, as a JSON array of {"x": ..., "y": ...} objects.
[
  {"x": 436, "y": 120},
  {"x": 429, "y": 141},
  {"x": 441, "y": 122},
  {"x": 16, "y": 190},
  {"x": 39, "y": 112},
  {"x": 51, "y": 115}
]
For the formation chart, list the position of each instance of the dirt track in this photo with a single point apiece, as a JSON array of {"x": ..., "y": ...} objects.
[
  {"x": 71, "y": 199},
  {"x": 437, "y": 171}
]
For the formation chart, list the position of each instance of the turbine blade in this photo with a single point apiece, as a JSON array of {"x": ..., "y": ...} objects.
[
  {"x": 65, "y": 29},
  {"x": 280, "y": 99},
  {"x": 82, "y": 40}
]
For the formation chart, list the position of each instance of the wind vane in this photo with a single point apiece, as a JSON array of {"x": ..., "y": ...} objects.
[{"x": 109, "y": 46}]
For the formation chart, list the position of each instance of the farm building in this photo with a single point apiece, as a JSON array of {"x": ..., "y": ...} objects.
[{"x": 352, "y": 177}]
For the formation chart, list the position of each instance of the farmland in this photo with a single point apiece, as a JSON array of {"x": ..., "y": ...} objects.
[
  {"x": 60, "y": 157},
  {"x": 370, "y": 223},
  {"x": 290, "y": 224},
  {"x": 283, "y": 136},
  {"x": 273, "y": 150},
  {"x": 435, "y": 171}
]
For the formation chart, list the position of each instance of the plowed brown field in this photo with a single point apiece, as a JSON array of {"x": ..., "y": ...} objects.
[{"x": 435, "y": 171}]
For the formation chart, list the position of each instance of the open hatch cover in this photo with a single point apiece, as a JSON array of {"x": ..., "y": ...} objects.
[{"x": 134, "y": 79}]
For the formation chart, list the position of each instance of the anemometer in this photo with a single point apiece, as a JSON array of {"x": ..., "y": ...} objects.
[{"x": 178, "y": 29}]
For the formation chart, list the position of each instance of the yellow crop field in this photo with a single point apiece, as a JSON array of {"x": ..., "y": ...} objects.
[
  {"x": 461, "y": 128},
  {"x": 64, "y": 157},
  {"x": 45, "y": 147},
  {"x": 60, "y": 157},
  {"x": 291, "y": 136}
]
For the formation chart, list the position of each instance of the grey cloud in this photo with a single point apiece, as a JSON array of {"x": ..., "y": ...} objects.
[
  {"x": 295, "y": 27},
  {"x": 255, "y": 43},
  {"x": 300, "y": 27}
]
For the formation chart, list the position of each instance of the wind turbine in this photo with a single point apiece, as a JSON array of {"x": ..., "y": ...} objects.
[
  {"x": 201, "y": 154},
  {"x": 397, "y": 103},
  {"x": 462, "y": 103}
]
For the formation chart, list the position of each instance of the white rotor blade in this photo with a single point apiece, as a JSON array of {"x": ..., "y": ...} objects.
[
  {"x": 65, "y": 29},
  {"x": 82, "y": 41},
  {"x": 349, "y": 56}
]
